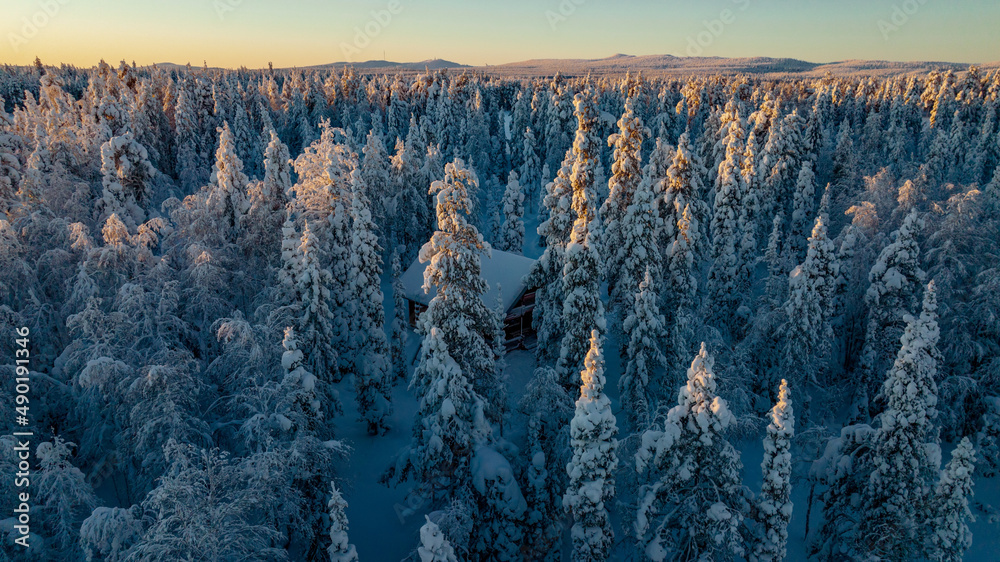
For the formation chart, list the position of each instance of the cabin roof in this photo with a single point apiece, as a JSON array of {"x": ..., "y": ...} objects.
[{"x": 504, "y": 268}]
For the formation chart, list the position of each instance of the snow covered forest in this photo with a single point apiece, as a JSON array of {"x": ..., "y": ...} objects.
[{"x": 767, "y": 314}]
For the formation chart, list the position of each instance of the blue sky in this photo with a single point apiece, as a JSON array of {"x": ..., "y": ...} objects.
[{"x": 305, "y": 32}]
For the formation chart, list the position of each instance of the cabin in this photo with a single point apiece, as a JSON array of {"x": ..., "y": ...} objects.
[{"x": 503, "y": 268}]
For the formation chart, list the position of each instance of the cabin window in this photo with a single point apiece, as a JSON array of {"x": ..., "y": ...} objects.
[{"x": 416, "y": 309}]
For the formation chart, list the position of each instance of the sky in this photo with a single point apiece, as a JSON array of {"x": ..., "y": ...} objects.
[{"x": 251, "y": 33}]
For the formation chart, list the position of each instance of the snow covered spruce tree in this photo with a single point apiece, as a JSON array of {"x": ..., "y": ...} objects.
[
  {"x": 64, "y": 497},
  {"x": 127, "y": 176},
  {"x": 680, "y": 300},
  {"x": 638, "y": 251},
  {"x": 225, "y": 195},
  {"x": 311, "y": 304},
  {"x": 645, "y": 332},
  {"x": 450, "y": 424},
  {"x": 498, "y": 535},
  {"x": 591, "y": 470},
  {"x": 947, "y": 532},
  {"x": 774, "y": 505},
  {"x": 684, "y": 189},
  {"x": 453, "y": 257},
  {"x": 531, "y": 169},
  {"x": 511, "y": 238},
  {"x": 11, "y": 144},
  {"x": 434, "y": 546},
  {"x": 369, "y": 348},
  {"x": 692, "y": 506},
  {"x": 804, "y": 199},
  {"x": 892, "y": 294},
  {"x": 582, "y": 310},
  {"x": 724, "y": 295},
  {"x": 626, "y": 174},
  {"x": 811, "y": 288},
  {"x": 323, "y": 196},
  {"x": 268, "y": 197},
  {"x": 374, "y": 171},
  {"x": 204, "y": 507},
  {"x": 340, "y": 549},
  {"x": 906, "y": 453},
  {"x": 546, "y": 273},
  {"x": 547, "y": 408},
  {"x": 400, "y": 320}
]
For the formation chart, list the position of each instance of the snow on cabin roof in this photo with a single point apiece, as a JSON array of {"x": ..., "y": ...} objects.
[{"x": 504, "y": 268}]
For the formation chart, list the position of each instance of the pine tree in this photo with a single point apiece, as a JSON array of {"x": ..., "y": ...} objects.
[
  {"x": 454, "y": 269},
  {"x": 583, "y": 310},
  {"x": 904, "y": 462},
  {"x": 434, "y": 547},
  {"x": 591, "y": 470},
  {"x": 340, "y": 550},
  {"x": 192, "y": 159},
  {"x": 843, "y": 470},
  {"x": 645, "y": 331},
  {"x": 693, "y": 505},
  {"x": 774, "y": 507},
  {"x": 369, "y": 348},
  {"x": 948, "y": 531},
  {"x": 511, "y": 238},
  {"x": 845, "y": 162},
  {"x": 750, "y": 210}
]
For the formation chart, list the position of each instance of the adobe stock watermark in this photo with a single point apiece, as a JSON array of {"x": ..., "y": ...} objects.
[
  {"x": 696, "y": 44},
  {"x": 364, "y": 35},
  {"x": 414, "y": 502},
  {"x": 564, "y": 10},
  {"x": 901, "y": 14},
  {"x": 223, "y": 7},
  {"x": 33, "y": 24}
]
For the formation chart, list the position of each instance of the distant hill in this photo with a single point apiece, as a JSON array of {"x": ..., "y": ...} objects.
[
  {"x": 661, "y": 65},
  {"x": 433, "y": 64},
  {"x": 684, "y": 66},
  {"x": 371, "y": 65}
]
